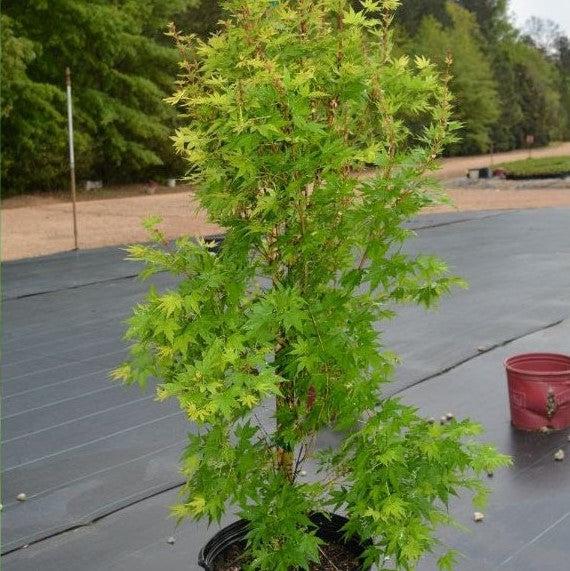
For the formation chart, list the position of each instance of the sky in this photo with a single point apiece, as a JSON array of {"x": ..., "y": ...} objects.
[{"x": 556, "y": 10}]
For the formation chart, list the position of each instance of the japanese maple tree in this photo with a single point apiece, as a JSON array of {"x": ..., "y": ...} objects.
[{"x": 311, "y": 144}]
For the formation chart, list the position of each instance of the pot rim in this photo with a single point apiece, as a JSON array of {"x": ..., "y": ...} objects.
[
  {"x": 512, "y": 362},
  {"x": 327, "y": 522}
]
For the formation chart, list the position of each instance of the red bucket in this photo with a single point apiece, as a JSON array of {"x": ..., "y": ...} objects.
[{"x": 539, "y": 390}]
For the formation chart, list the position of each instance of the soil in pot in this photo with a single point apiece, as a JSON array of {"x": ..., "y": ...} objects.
[
  {"x": 226, "y": 550},
  {"x": 334, "y": 557}
]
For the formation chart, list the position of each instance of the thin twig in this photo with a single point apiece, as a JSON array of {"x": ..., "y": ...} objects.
[{"x": 325, "y": 556}]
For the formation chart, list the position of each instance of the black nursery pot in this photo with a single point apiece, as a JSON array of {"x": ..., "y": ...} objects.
[{"x": 328, "y": 529}]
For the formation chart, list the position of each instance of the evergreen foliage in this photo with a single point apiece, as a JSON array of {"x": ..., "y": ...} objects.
[
  {"x": 563, "y": 64},
  {"x": 506, "y": 85},
  {"x": 121, "y": 69},
  {"x": 411, "y": 14},
  {"x": 34, "y": 141},
  {"x": 472, "y": 81},
  {"x": 201, "y": 20},
  {"x": 506, "y": 134},
  {"x": 538, "y": 95},
  {"x": 491, "y": 15},
  {"x": 282, "y": 109},
  {"x": 546, "y": 37}
]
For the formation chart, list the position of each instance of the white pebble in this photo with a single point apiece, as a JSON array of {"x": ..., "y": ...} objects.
[
  {"x": 21, "y": 497},
  {"x": 478, "y": 517},
  {"x": 559, "y": 455}
]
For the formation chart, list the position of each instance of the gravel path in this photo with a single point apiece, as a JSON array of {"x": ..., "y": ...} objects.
[
  {"x": 44, "y": 225},
  {"x": 48, "y": 228}
]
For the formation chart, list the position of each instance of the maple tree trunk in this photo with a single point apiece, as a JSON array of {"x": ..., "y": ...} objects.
[{"x": 285, "y": 403}]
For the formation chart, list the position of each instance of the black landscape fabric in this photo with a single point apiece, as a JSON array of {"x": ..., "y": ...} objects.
[{"x": 84, "y": 449}]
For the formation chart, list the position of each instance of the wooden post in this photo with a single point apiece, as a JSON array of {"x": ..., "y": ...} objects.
[
  {"x": 529, "y": 144},
  {"x": 71, "y": 154}
]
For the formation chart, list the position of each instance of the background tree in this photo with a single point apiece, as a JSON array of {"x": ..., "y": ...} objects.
[
  {"x": 123, "y": 65},
  {"x": 122, "y": 70},
  {"x": 33, "y": 122},
  {"x": 543, "y": 33},
  {"x": 538, "y": 94},
  {"x": 202, "y": 19},
  {"x": 411, "y": 13},
  {"x": 491, "y": 16},
  {"x": 562, "y": 50},
  {"x": 547, "y": 36},
  {"x": 473, "y": 84},
  {"x": 506, "y": 132}
]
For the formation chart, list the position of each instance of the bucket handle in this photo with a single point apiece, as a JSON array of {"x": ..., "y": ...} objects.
[{"x": 551, "y": 404}]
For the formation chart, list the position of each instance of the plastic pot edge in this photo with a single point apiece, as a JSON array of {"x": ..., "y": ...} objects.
[{"x": 328, "y": 527}]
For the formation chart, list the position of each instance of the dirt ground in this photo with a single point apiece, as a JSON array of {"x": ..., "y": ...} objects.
[
  {"x": 46, "y": 228},
  {"x": 34, "y": 225}
]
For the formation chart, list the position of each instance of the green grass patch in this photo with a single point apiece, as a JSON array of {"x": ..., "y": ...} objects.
[{"x": 549, "y": 167}]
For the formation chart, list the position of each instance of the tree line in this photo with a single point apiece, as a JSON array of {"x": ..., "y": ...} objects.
[{"x": 507, "y": 83}]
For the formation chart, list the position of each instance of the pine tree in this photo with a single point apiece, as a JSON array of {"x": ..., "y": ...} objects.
[
  {"x": 33, "y": 121},
  {"x": 563, "y": 64},
  {"x": 491, "y": 16},
  {"x": 412, "y": 12},
  {"x": 122, "y": 69},
  {"x": 539, "y": 95},
  {"x": 473, "y": 83}
]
